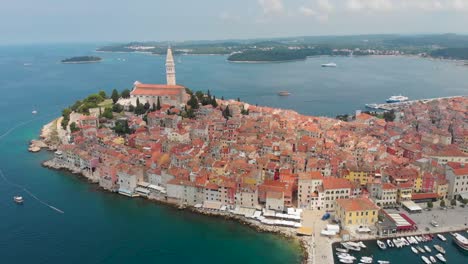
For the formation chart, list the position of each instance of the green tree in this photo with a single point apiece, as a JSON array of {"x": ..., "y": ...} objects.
[
  {"x": 139, "y": 108},
  {"x": 117, "y": 108},
  {"x": 153, "y": 107},
  {"x": 464, "y": 201},
  {"x": 193, "y": 102},
  {"x": 125, "y": 93},
  {"x": 147, "y": 106},
  {"x": 64, "y": 123},
  {"x": 208, "y": 93},
  {"x": 76, "y": 105},
  {"x": 199, "y": 95},
  {"x": 108, "y": 113},
  {"x": 103, "y": 94},
  {"x": 115, "y": 96},
  {"x": 442, "y": 203},
  {"x": 131, "y": 108},
  {"x": 430, "y": 204},
  {"x": 238, "y": 99},
  {"x": 121, "y": 127},
  {"x": 158, "y": 105},
  {"x": 389, "y": 116},
  {"x": 226, "y": 112},
  {"x": 453, "y": 202},
  {"x": 188, "y": 91},
  {"x": 94, "y": 99},
  {"x": 66, "y": 112},
  {"x": 74, "y": 127},
  {"x": 213, "y": 102}
]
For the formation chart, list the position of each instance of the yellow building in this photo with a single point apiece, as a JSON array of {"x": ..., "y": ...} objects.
[
  {"x": 362, "y": 177},
  {"x": 417, "y": 185},
  {"x": 356, "y": 211}
]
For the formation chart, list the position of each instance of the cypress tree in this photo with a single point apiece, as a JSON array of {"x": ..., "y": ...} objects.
[
  {"x": 158, "y": 106},
  {"x": 115, "y": 96}
]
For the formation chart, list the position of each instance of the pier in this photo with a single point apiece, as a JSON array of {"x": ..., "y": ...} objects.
[{"x": 394, "y": 106}]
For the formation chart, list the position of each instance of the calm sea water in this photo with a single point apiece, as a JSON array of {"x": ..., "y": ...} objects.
[
  {"x": 454, "y": 254},
  {"x": 99, "y": 227}
]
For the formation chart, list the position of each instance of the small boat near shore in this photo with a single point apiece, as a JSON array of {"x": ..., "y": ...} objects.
[
  {"x": 433, "y": 260},
  {"x": 441, "y": 257},
  {"x": 415, "y": 251},
  {"x": 362, "y": 245},
  {"x": 420, "y": 249},
  {"x": 342, "y": 250},
  {"x": 18, "y": 199},
  {"x": 441, "y": 237},
  {"x": 428, "y": 249},
  {"x": 351, "y": 246},
  {"x": 383, "y": 261},
  {"x": 381, "y": 245},
  {"x": 440, "y": 249},
  {"x": 390, "y": 243},
  {"x": 426, "y": 260}
]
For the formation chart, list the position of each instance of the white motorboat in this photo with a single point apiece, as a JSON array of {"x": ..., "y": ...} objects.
[
  {"x": 342, "y": 250},
  {"x": 421, "y": 249},
  {"x": 361, "y": 244},
  {"x": 440, "y": 249},
  {"x": 397, "y": 99},
  {"x": 381, "y": 245},
  {"x": 426, "y": 260},
  {"x": 433, "y": 260},
  {"x": 351, "y": 246},
  {"x": 440, "y": 257},
  {"x": 390, "y": 243},
  {"x": 284, "y": 93},
  {"x": 405, "y": 241},
  {"x": 34, "y": 112},
  {"x": 428, "y": 249},
  {"x": 397, "y": 242},
  {"x": 383, "y": 261},
  {"x": 18, "y": 199},
  {"x": 330, "y": 64},
  {"x": 366, "y": 260},
  {"x": 415, "y": 251},
  {"x": 346, "y": 260},
  {"x": 441, "y": 237}
]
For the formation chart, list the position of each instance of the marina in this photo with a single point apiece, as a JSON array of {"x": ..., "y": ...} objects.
[
  {"x": 420, "y": 249},
  {"x": 395, "y": 105}
]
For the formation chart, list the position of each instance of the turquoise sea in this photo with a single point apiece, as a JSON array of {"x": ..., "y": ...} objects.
[{"x": 99, "y": 227}]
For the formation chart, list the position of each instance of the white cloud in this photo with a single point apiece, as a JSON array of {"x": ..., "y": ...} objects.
[
  {"x": 319, "y": 9},
  {"x": 325, "y": 5},
  {"x": 407, "y": 5},
  {"x": 271, "y": 6}
]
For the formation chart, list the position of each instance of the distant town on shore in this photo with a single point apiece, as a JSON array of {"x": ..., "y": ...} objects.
[{"x": 444, "y": 46}]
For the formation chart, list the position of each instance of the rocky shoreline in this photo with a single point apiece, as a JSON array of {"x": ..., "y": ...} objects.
[{"x": 285, "y": 232}]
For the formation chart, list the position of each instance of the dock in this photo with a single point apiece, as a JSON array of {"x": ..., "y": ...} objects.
[{"x": 395, "y": 106}]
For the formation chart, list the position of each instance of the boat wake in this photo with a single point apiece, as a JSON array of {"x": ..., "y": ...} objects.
[{"x": 29, "y": 192}]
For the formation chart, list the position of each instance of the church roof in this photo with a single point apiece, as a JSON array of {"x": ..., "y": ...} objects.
[{"x": 156, "y": 89}]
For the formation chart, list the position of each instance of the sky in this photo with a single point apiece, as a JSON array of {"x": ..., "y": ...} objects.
[{"x": 42, "y": 21}]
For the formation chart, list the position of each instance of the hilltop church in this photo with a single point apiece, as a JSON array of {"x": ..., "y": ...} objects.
[{"x": 170, "y": 93}]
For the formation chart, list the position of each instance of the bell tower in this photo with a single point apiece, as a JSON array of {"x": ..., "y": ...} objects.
[{"x": 170, "y": 68}]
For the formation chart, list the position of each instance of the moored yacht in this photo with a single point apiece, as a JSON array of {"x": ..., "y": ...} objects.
[
  {"x": 18, "y": 199},
  {"x": 461, "y": 241},
  {"x": 441, "y": 237},
  {"x": 440, "y": 249},
  {"x": 441, "y": 257},
  {"x": 381, "y": 245},
  {"x": 426, "y": 260}
]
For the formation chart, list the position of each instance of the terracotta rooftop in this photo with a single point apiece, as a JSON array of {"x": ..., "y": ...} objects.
[{"x": 356, "y": 204}]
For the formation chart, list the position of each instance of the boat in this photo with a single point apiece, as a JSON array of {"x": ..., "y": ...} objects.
[
  {"x": 404, "y": 241},
  {"x": 461, "y": 241},
  {"x": 426, "y": 260},
  {"x": 440, "y": 249},
  {"x": 421, "y": 249},
  {"x": 330, "y": 64},
  {"x": 433, "y": 260},
  {"x": 397, "y": 242},
  {"x": 415, "y": 251},
  {"x": 342, "y": 250},
  {"x": 366, "y": 260},
  {"x": 441, "y": 257},
  {"x": 283, "y": 93},
  {"x": 441, "y": 237},
  {"x": 418, "y": 239},
  {"x": 390, "y": 243},
  {"x": 34, "y": 112},
  {"x": 352, "y": 246},
  {"x": 381, "y": 245},
  {"x": 361, "y": 244},
  {"x": 396, "y": 99},
  {"x": 383, "y": 261},
  {"x": 372, "y": 106},
  {"x": 346, "y": 260},
  {"x": 428, "y": 249},
  {"x": 18, "y": 199}
]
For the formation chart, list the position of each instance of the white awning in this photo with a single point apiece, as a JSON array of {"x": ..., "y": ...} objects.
[{"x": 411, "y": 206}]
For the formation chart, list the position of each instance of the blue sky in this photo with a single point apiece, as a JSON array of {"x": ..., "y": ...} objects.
[{"x": 34, "y": 21}]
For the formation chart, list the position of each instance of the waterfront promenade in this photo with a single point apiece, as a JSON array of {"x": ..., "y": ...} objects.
[{"x": 394, "y": 106}]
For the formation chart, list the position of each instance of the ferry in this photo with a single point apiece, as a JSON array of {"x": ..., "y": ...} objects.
[
  {"x": 461, "y": 241},
  {"x": 284, "y": 93},
  {"x": 330, "y": 64},
  {"x": 18, "y": 199},
  {"x": 397, "y": 99}
]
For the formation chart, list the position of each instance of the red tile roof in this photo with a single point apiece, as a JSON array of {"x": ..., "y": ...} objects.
[
  {"x": 336, "y": 183},
  {"x": 356, "y": 204},
  {"x": 156, "y": 89},
  {"x": 422, "y": 196}
]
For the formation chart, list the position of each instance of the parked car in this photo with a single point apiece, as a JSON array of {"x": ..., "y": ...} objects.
[{"x": 434, "y": 223}]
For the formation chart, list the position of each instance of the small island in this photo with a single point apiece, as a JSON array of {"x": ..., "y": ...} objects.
[{"x": 82, "y": 59}]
